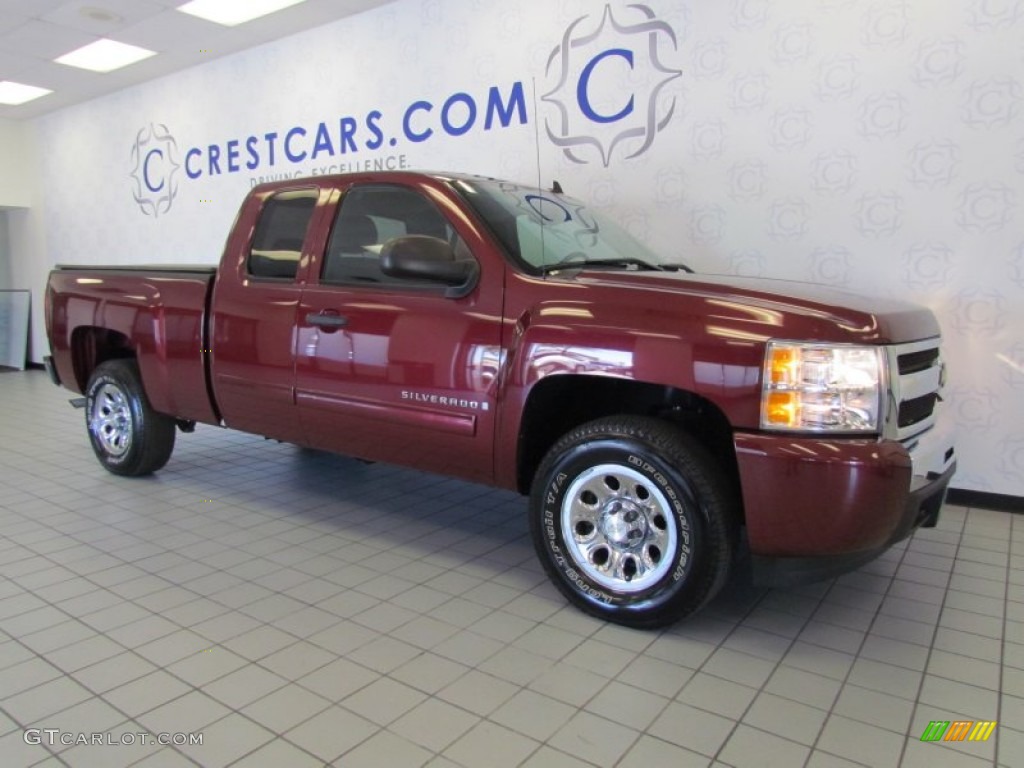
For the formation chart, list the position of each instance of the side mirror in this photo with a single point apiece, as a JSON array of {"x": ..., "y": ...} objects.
[{"x": 419, "y": 257}]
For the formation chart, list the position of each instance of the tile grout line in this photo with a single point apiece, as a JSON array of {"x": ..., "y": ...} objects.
[
  {"x": 760, "y": 689},
  {"x": 1002, "y": 647},
  {"x": 935, "y": 631},
  {"x": 860, "y": 648}
]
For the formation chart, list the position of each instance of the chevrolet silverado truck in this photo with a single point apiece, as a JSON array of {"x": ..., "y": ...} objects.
[{"x": 659, "y": 420}]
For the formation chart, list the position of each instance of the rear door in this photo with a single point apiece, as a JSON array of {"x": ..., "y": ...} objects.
[
  {"x": 391, "y": 369},
  {"x": 255, "y": 301}
]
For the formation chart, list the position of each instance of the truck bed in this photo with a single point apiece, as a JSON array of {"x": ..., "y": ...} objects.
[
  {"x": 95, "y": 312},
  {"x": 190, "y": 269}
]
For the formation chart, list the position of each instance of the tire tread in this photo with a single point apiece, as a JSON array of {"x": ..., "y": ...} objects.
[
  {"x": 719, "y": 513},
  {"x": 153, "y": 438}
]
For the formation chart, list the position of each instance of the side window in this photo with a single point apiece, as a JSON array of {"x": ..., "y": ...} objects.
[
  {"x": 280, "y": 232},
  {"x": 371, "y": 215}
]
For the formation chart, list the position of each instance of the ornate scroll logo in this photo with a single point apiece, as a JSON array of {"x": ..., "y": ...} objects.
[
  {"x": 155, "y": 162},
  {"x": 610, "y": 78}
]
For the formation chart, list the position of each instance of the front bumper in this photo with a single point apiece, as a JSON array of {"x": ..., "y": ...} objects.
[{"x": 816, "y": 508}]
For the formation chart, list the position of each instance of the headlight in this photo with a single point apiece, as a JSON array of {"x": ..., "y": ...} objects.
[{"x": 821, "y": 388}]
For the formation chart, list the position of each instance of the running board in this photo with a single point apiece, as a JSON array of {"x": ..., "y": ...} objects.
[{"x": 77, "y": 402}]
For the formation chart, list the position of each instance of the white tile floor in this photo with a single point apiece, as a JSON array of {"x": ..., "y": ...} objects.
[{"x": 300, "y": 609}]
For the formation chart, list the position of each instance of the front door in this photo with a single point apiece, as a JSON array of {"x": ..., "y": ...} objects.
[{"x": 390, "y": 368}]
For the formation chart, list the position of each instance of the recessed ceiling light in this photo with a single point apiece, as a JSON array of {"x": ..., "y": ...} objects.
[
  {"x": 105, "y": 56},
  {"x": 230, "y": 13},
  {"x": 99, "y": 15},
  {"x": 17, "y": 93}
]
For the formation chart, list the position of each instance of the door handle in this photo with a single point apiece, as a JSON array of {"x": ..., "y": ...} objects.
[{"x": 326, "y": 321}]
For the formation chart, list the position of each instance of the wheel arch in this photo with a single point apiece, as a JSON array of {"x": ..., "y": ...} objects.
[
  {"x": 91, "y": 346},
  {"x": 559, "y": 403}
]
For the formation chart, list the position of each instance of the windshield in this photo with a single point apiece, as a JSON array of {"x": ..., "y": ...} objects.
[{"x": 546, "y": 231}]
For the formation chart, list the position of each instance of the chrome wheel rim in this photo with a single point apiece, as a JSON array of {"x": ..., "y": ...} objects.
[
  {"x": 110, "y": 420},
  {"x": 619, "y": 528}
]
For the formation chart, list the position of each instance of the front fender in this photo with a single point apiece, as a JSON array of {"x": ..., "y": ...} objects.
[{"x": 649, "y": 345}]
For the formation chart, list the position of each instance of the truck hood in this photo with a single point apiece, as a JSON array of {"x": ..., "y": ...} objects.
[{"x": 811, "y": 312}]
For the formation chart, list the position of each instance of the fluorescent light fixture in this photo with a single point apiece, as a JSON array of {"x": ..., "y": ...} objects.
[
  {"x": 17, "y": 93},
  {"x": 105, "y": 56},
  {"x": 231, "y": 13}
]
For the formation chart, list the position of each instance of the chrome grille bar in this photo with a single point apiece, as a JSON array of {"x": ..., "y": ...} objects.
[{"x": 915, "y": 378}]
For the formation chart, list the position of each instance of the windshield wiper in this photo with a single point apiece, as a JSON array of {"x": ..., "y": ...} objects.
[
  {"x": 678, "y": 267},
  {"x": 623, "y": 263}
]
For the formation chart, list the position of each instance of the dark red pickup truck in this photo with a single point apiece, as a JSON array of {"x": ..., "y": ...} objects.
[{"x": 513, "y": 336}]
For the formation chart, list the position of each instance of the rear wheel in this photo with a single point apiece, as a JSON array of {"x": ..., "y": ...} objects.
[
  {"x": 633, "y": 521},
  {"x": 127, "y": 435}
]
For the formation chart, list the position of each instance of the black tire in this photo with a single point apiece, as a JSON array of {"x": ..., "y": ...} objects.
[
  {"x": 127, "y": 435},
  {"x": 633, "y": 521}
]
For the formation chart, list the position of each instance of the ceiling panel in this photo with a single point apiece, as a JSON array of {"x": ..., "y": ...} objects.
[
  {"x": 29, "y": 7},
  {"x": 87, "y": 16},
  {"x": 9, "y": 21},
  {"x": 33, "y": 32},
  {"x": 41, "y": 39},
  {"x": 49, "y": 74},
  {"x": 11, "y": 64},
  {"x": 170, "y": 30}
]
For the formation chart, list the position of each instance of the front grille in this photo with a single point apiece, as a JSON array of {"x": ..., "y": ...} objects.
[
  {"x": 917, "y": 410},
  {"x": 916, "y": 371},
  {"x": 914, "y": 362}
]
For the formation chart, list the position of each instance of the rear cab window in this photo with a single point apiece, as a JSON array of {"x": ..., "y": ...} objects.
[{"x": 280, "y": 232}]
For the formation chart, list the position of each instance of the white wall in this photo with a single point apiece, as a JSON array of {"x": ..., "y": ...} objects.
[
  {"x": 870, "y": 144},
  {"x": 15, "y": 173},
  {"x": 15, "y": 186},
  {"x": 5, "y": 253},
  {"x": 23, "y": 258}
]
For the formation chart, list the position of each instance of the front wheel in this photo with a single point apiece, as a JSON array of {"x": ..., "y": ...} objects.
[
  {"x": 633, "y": 521},
  {"x": 127, "y": 435}
]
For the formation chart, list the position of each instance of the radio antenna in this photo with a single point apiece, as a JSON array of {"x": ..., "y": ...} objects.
[{"x": 540, "y": 182}]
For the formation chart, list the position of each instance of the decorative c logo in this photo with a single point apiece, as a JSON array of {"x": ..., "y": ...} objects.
[
  {"x": 145, "y": 171},
  {"x": 586, "y": 79},
  {"x": 154, "y": 157},
  {"x": 583, "y": 89}
]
